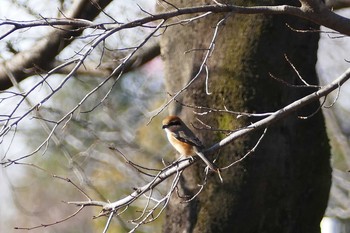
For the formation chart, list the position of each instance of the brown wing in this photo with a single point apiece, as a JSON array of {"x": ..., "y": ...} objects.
[{"x": 190, "y": 139}]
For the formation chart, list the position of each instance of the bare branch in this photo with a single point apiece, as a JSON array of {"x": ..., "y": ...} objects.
[
  {"x": 108, "y": 222},
  {"x": 248, "y": 153},
  {"x": 25, "y": 60},
  {"x": 159, "y": 178},
  {"x": 53, "y": 223},
  {"x": 10, "y": 123},
  {"x": 297, "y": 72},
  {"x": 207, "y": 110},
  {"x": 60, "y": 178},
  {"x": 80, "y": 24},
  {"x": 201, "y": 67},
  {"x": 47, "y": 49},
  {"x": 139, "y": 59}
]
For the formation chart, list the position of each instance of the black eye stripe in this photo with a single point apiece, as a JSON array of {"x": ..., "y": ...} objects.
[{"x": 174, "y": 123}]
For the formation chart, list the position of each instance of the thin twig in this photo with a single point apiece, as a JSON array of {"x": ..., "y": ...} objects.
[
  {"x": 203, "y": 64},
  {"x": 248, "y": 153}
]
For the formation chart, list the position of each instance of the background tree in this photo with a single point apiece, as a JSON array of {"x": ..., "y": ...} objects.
[
  {"x": 293, "y": 159},
  {"x": 231, "y": 75}
]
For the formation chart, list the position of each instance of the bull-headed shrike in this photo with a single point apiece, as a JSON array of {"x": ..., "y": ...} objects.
[{"x": 184, "y": 140}]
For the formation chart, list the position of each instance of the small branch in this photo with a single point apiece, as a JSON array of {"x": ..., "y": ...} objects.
[
  {"x": 315, "y": 112},
  {"x": 207, "y": 110},
  {"x": 108, "y": 222},
  {"x": 137, "y": 167},
  {"x": 26, "y": 63},
  {"x": 202, "y": 66},
  {"x": 335, "y": 99},
  {"x": 60, "y": 178},
  {"x": 248, "y": 153},
  {"x": 51, "y": 224},
  {"x": 297, "y": 72},
  {"x": 149, "y": 216},
  {"x": 159, "y": 178},
  {"x": 288, "y": 84},
  {"x": 78, "y": 23}
]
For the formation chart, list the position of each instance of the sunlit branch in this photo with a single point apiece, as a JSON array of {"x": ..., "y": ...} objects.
[
  {"x": 335, "y": 99},
  {"x": 149, "y": 216},
  {"x": 108, "y": 222},
  {"x": 159, "y": 178},
  {"x": 17, "y": 24}
]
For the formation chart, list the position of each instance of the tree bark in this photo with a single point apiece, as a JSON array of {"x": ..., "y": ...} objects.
[{"x": 283, "y": 186}]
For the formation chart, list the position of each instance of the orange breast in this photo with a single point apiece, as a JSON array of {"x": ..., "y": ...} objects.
[{"x": 182, "y": 147}]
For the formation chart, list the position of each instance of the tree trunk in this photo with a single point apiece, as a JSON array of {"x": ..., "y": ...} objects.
[{"x": 283, "y": 186}]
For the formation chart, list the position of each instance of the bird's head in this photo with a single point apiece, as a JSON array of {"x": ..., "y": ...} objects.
[{"x": 171, "y": 121}]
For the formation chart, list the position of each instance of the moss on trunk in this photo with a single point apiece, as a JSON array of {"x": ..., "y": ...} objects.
[{"x": 283, "y": 186}]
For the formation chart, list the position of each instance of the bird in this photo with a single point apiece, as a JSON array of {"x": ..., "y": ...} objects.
[{"x": 184, "y": 140}]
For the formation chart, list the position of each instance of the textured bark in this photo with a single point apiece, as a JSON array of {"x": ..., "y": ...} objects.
[{"x": 284, "y": 185}]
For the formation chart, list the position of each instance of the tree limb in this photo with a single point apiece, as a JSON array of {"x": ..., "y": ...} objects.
[{"x": 26, "y": 63}]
